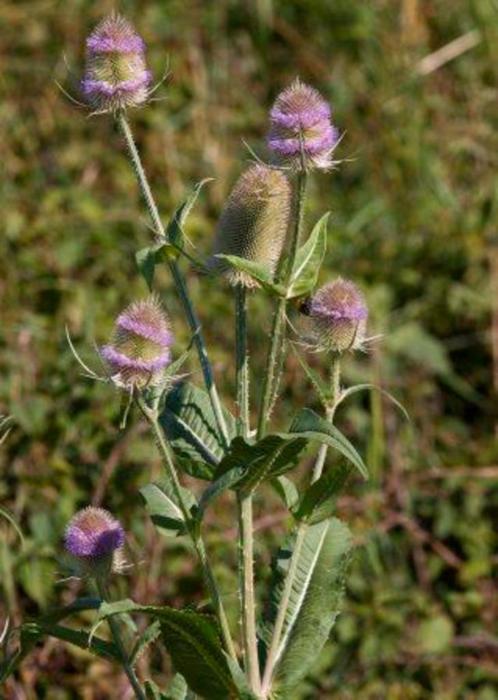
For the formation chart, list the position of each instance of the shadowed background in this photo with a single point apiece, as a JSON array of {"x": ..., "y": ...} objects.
[{"x": 414, "y": 209}]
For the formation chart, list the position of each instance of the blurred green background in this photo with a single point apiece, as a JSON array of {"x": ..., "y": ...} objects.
[{"x": 414, "y": 221}]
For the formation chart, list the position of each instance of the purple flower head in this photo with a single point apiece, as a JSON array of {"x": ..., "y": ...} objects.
[
  {"x": 93, "y": 534},
  {"x": 254, "y": 222},
  {"x": 301, "y": 133},
  {"x": 337, "y": 316},
  {"x": 116, "y": 74},
  {"x": 139, "y": 350}
]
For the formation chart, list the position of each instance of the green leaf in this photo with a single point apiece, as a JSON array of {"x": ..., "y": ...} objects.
[
  {"x": 309, "y": 425},
  {"x": 320, "y": 386},
  {"x": 146, "y": 263},
  {"x": 318, "y": 501},
  {"x": 315, "y": 599},
  {"x": 162, "y": 506},
  {"x": 259, "y": 272},
  {"x": 308, "y": 261},
  {"x": 148, "y": 636},
  {"x": 10, "y": 518},
  {"x": 240, "y": 680},
  {"x": 153, "y": 692},
  {"x": 246, "y": 465},
  {"x": 286, "y": 490},
  {"x": 174, "y": 230},
  {"x": 190, "y": 426},
  {"x": 373, "y": 387},
  {"x": 178, "y": 689},
  {"x": 194, "y": 644}
]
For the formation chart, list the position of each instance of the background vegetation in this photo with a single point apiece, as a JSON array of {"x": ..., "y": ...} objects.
[{"x": 414, "y": 222}]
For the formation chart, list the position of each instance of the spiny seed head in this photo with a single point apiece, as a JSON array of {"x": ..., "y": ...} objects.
[
  {"x": 254, "y": 222},
  {"x": 139, "y": 349},
  {"x": 94, "y": 538},
  {"x": 337, "y": 316},
  {"x": 301, "y": 133},
  {"x": 116, "y": 74}
]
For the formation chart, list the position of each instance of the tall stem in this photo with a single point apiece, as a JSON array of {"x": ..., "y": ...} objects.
[
  {"x": 196, "y": 538},
  {"x": 244, "y": 503},
  {"x": 277, "y": 334},
  {"x": 274, "y": 651},
  {"x": 116, "y": 635},
  {"x": 178, "y": 278}
]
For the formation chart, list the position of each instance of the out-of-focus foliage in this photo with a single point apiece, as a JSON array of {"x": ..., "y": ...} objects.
[{"x": 414, "y": 211}]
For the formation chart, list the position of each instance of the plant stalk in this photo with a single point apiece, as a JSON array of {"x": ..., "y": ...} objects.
[
  {"x": 277, "y": 333},
  {"x": 116, "y": 635},
  {"x": 274, "y": 651},
  {"x": 178, "y": 278},
  {"x": 195, "y": 536},
  {"x": 244, "y": 503}
]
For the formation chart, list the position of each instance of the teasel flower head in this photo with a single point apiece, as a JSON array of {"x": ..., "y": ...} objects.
[
  {"x": 301, "y": 134},
  {"x": 116, "y": 74},
  {"x": 336, "y": 317},
  {"x": 139, "y": 350},
  {"x": 94, "y": 539},
  {"x": 254, "y": 223}
]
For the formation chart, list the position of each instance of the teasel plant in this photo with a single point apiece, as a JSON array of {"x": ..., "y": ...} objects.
[{"x": 260, "y": 247}]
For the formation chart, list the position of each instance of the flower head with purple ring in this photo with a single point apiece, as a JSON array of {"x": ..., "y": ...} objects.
[
  {"x": 139, "y": 350},
  {"x": 301, "y": 133},
  {"x": 93, "y": 534},
  {"x": 337, "y": 316},
  {"x": 116, "y": 74}
]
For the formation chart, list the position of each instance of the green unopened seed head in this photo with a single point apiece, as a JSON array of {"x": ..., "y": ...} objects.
[{"x": 254, "y": 223}]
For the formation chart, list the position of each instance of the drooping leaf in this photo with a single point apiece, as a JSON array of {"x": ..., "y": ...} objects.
[
  {"x": 153, "y": 692},
  {"x": 373, "y": 387},
  {"x": 146, "y": 263},
  {"x": 178, "y": 689},
  {"x": 319, "y": 385},
  {"x": 190, "y": 426},
  {"x": 315, "y": 599},
  {"x": 4, "y": 513},
  {"x": 164, "y": 510},
  {"x": 308, "y": 260},
  {"x": 307, "y": 424},
  {"x": 286, "y": 490},
  {"x": 148, "y": 636},
  {"x": 174, "y": 230},
  {"x": 194, "y": 644},
  {"x": 246, "y": 465},
  {"x": 259, "y": 272},
  {"x": 318, "y": 501}
]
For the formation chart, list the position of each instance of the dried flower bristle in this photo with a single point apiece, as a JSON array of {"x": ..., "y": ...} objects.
[
  {"x": 301, "y": 133},
  {"x": 140, "y": 346},
  {"x": 116, "y": 74},
  {"x": 254, "y": 222},
  {"x": 337, "y": 316}
]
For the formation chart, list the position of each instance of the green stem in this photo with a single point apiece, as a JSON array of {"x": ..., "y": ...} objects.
[
  {"x": 116, "y": 635},
  {"x": 274, "y": 651},
  {"x": 178, "y": 278},
  {"x": 195, "y": 536},
  {"x": 244, "y": 503},
  {"x": 277, "y": 334}
]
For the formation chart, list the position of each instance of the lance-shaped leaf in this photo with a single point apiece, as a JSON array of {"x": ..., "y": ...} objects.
[
  {"x": 259, "y": 272},
  {"x": 194, "y": 644},
  {"x": 174, "y": 244},
  {"x": 309, "y": 425},
  {"x": 190, "y": 426},
  {"x": 314, "y": 602},
  {"x": 165, "y": 512},
  {"x": 318, "y": 501},
  {"x": 246, "y": 465},
  {"x": 308, "y": 261},
  {"x": 373, "y": 387}
]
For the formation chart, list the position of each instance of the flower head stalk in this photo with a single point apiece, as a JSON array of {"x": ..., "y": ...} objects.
[
  {"x": 254, "y": 223},
  {"x": 337, "y": 316},
  {"x": 139, "y": 350},
  {"x": 116, "y": 74},
  {"x": 301, "y": 134}
]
